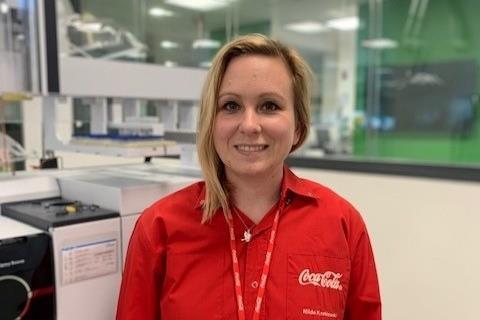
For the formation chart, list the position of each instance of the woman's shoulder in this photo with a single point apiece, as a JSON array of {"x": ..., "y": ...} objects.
[
  {"x": 320, "y": 191},
  {"x": 336, "y": 210},
  {"x": 175, "y": 211},
  {"x": 183, "y": 202},
  {"x": 328, "y": 198}
]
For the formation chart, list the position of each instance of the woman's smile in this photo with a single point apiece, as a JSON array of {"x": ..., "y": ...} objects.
[{"x": 248, "y": 148}]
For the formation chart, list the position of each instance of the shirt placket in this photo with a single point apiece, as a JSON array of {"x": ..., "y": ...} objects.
[{"x": 254, "y": 260}]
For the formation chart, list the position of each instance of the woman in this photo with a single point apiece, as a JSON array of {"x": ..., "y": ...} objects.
[{"x": 253, "y": 241}]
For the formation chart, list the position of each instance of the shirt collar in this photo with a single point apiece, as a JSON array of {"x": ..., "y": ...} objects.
[{"x": 290, "y": 183}]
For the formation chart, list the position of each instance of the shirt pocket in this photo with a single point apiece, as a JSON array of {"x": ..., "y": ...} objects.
[{"x": 317, "y": 286}]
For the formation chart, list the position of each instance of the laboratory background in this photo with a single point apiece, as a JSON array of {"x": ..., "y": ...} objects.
[{"x": 98, "y": 110}]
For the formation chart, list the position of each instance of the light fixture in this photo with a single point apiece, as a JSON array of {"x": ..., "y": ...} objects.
[
  {"x": 344, "y": 24},
  {"x": 4, "y": 8},
  {"x": 160, "y": 12},
  {"x": 166, "y": 44},
  {"x": 305, "y": 27},
  {"x": 206, "y": 44},
  {"x": 426, "y": 79},
  {"x": 200, "y": 5},
  {"x": 88, "y": 26},
  {"x": 380, "y": 43}
]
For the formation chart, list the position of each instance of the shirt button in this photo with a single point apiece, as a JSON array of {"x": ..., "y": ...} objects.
[{"x": 254, "y": 284}]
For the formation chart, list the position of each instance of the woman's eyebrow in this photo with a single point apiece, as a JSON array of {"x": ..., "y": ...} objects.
[
  {"x": 269, "y": 94},
  {"x": 223, "y": 94},
  {"x": 272, "y": 94}
]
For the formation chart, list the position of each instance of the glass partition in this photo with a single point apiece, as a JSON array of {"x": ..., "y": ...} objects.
[
  {"x": 12, "y": 155},
  {"x": 417, "y": 85},
  {"x": 395, "y": 81},
  {"x": 169, "y": 33},
  {"x": 19, "y": 74},
  {"x": 19, "y": 71}
]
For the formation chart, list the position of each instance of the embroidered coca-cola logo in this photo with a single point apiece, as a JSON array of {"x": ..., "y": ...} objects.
[{"x": 328, "y": 279}]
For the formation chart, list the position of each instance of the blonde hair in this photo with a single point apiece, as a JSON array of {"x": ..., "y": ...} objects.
[{"x": 213, "y": 169}]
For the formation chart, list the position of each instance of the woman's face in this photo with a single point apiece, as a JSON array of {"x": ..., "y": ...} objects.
[{"x": 254, "y": 129}]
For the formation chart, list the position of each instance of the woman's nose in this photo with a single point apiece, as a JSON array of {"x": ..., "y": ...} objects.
[{"x": 250, "y": 122}]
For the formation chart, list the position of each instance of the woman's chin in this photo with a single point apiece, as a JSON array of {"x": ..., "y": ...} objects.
[{"x": 255, "y": 170}]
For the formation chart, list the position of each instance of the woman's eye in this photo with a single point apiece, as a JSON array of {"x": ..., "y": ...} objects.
[
  {"x": 269, "y": 106},
  {"x": 230, "y": 106}
]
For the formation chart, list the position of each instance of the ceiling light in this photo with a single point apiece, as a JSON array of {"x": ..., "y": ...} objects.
[
  {"x": 344, "y": 24},
  {"x": 380, "y": 43},
  {"x": 160, "y": 12},
  {"x": 306, "y": 27},
  {"x": 4, "y": 8},
  {"x": 206, "y": 44},
  {"x": 88, "y": 26},
  {"x": 200, "y": 5},
  {"x": 166, "y": 44}
]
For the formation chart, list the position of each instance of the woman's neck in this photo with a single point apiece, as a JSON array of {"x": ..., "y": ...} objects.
[{"x": 254, "y": 196}]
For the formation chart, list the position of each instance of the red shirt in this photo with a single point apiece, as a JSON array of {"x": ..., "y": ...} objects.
[{"x": 322, "y": 265}]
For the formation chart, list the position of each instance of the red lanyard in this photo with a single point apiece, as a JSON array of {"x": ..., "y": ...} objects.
[{"x": 266, "y": 268}]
